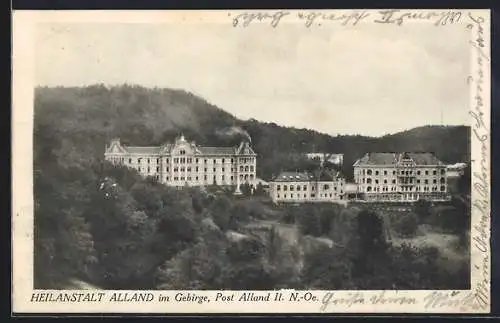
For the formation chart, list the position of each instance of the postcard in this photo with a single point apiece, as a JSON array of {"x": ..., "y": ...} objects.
[{"x": 275, "y": 161}]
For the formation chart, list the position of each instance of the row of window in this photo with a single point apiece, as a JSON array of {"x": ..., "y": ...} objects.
[
  {"x": 312, "y": 195},
  {"x": 407, "y": 189},
  {"x": 205, "y": 177},
  {"x": 304, "y": 187},
  {"x": 188, "y": 169},
  {"x": 403, "y": 172},
  {"x": 184, "y": 160},
  {"x": 405, "y": 181}
]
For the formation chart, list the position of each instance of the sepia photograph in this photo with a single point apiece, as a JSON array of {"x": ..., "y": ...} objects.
[{"x": 280, "y": 151}]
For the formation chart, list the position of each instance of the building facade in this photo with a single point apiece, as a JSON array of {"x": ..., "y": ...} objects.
[
  {"x": 295, "y": 187},
  {"x": 401, "y": 177},
  {"x": 184, "y": 163}
]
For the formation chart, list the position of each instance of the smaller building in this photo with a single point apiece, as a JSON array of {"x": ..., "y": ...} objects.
[{"x": 302, "y": 187}]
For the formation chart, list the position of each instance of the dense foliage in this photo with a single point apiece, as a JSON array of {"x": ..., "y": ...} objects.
[{"x": 108, "y": 226}]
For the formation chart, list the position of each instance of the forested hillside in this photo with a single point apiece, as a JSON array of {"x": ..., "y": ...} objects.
[
  {"x": 82, "y": 120},
  {"x": 107, "y": 226}
]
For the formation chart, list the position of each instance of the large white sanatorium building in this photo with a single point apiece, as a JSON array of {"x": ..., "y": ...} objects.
[
  {"x": 401, "y": 177},
  {"x": 184, "y": 163}
]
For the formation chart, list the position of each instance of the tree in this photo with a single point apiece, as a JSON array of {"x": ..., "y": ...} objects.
[
  {"x": 370, "y": 245},
  {"x": 423, "y": 209},
  {"x": 407, "y": 225}
]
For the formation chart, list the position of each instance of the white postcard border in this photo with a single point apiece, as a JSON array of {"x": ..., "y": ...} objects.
[{"x": 477, "y": 300}]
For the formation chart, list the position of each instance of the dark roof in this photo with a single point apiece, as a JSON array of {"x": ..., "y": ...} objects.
[
  {"x": 143, "y": 150},
  {"x": 421, "y": 159},
  {"x": 323, "y": 175},
  {"x": 293, "y": 177},
  {"x": 216, "y": 150}
]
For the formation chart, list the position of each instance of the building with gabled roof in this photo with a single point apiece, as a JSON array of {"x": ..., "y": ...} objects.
[
  {"x": 300, "y": 187},
  {"x": 182, "y": 162},
  {"x": 401, "y": 176}
]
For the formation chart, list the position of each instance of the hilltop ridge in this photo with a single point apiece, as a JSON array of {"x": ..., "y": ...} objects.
[{"x": 77, "y": 122}]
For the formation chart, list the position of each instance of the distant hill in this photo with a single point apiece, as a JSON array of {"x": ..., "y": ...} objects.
[{"x": 72, "y": 125}]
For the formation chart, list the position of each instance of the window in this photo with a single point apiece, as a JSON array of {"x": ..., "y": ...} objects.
[
  {"x": 168, "y": 169},
  {"x": 223, "y": 169},
  {"x": 426, "y": 181},
  {"x": 197, "y": 160},
  {"x": 376, "y": 172},
  {"x": 205, "y": 177},
  {"x": 298, "y": 188},
  {"x": 246, "y": 168},
  {"x": 442, "y": 180},
  {"x": 148, "y": 160},
  {"x": 232, "y": 160},
  {"x": 434, "y": 181},
  {"x": 434, "y": 172},
  {"x": 222, "y": 177},
  {"x": 443, "y": 188},
  {"x": 157, "y": 169},
  {"x": 385, "y": 172},
  {"x": 196, "y": 177},
  {"x": 251, "y": 168},
  {"x": 189, "y": 169},
  {"x": 313, "y": 195},
  {"x": 130, "y": 160},
  {"x": 305, "y": 188},
  {"x": 291, "y": 196},
  {"x": 291, "y": 187},
  {"x": 196, "y": 168},
  {"x": 278, "y": 187},
  {"x": 223, "y": 160},
  {"x": 325, "y": 187},
  {"x": 183, "y": 152},
  {"x": 393, "y": 172},
  {"x": 241, "y": 168},
  {"x": 215, "y": 161},
  {"x": 376, "y": 181},
  {"x": 182, "y": 178},
  {"x": 167, "y": 160},
  {"x": 426, "y": 172},
  {"x": 139, "y": 160},
  {"x": 385, "y": 181},
  {"x": 251, "y": 176},
  {"x": 183, "y": 169},
  {"x": 149, "y": 170},
  {"x": 368, "y": 180},
  {"x": 205, "y": 169},
  {"x": 285, "y": 188},
  {"x": 369, "y": 172},
  {"x": 214, "y": 169},
  {"x": 368, "y": 188},
  {"x": 442, "y": 171},
  {"x": 232, "y": 177},
  {"x": 205, "y": 161}
]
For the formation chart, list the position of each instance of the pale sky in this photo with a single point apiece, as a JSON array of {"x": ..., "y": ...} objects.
[{"x": 370, "y": 79}]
